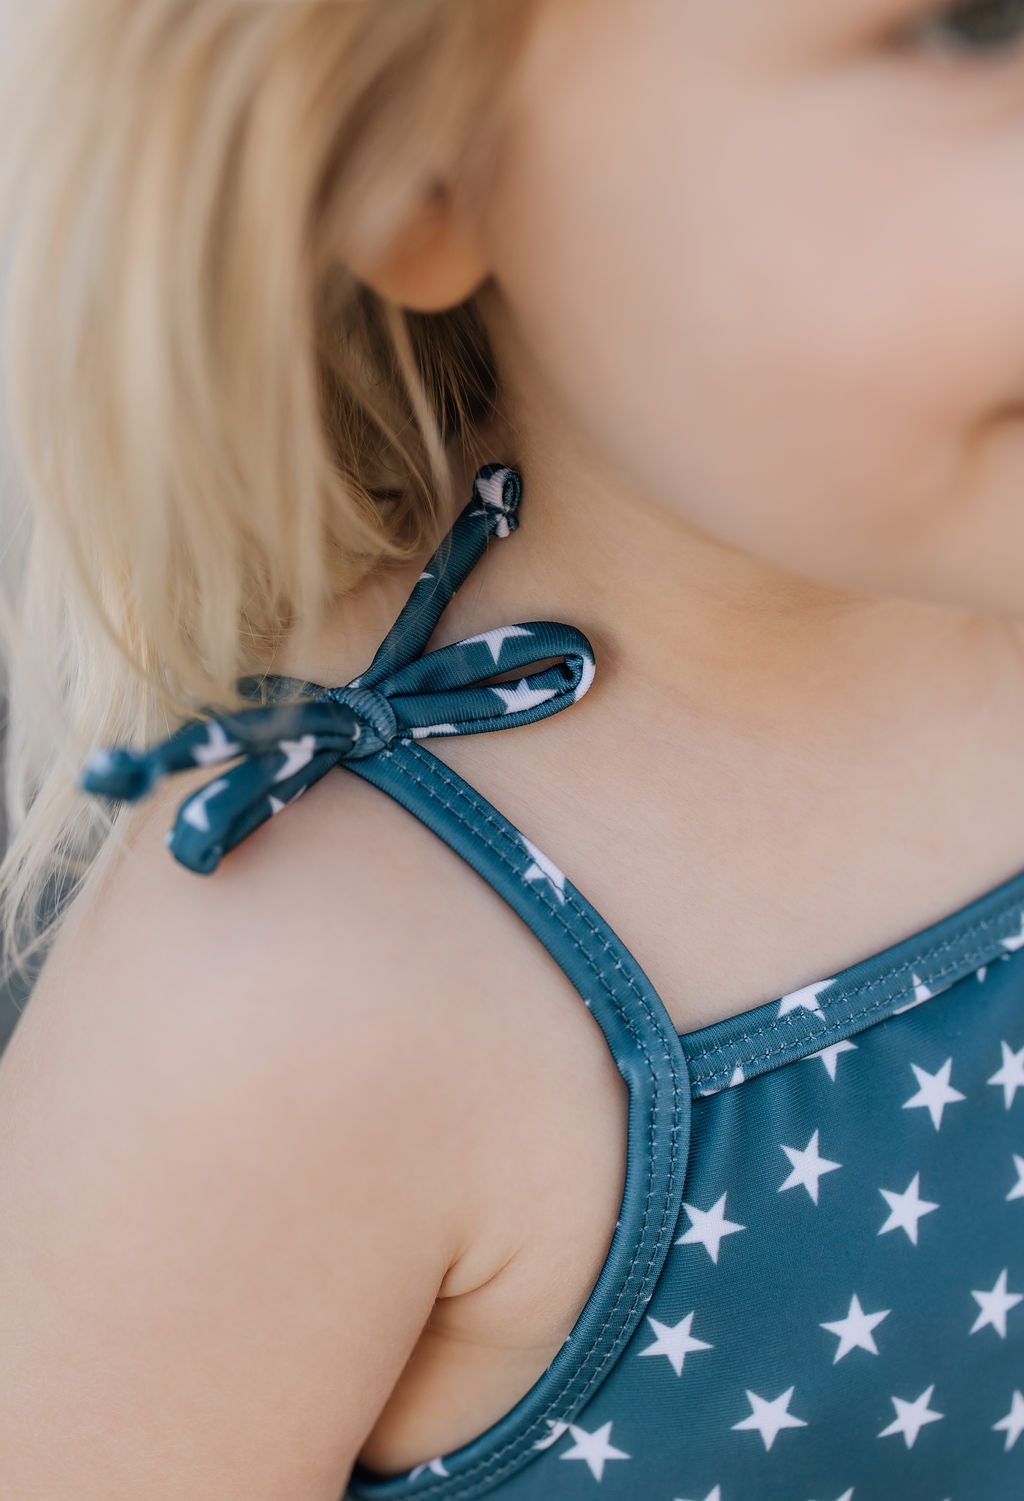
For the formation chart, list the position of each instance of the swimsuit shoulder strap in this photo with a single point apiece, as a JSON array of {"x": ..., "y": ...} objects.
[{"x": 373, "y": 726}]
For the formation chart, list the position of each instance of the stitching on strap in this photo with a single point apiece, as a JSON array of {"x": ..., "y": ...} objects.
[
  {"x": 815, "y": 1033},
  {"x": 440, "y": 770}
]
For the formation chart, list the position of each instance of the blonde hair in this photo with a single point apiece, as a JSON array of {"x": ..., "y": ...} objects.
[{"x": 217, "y": 427}]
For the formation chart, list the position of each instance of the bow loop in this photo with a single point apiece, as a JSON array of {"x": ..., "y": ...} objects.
[
  {"x": 438, "y": 694},
  {"x": 298, "y": 730}
]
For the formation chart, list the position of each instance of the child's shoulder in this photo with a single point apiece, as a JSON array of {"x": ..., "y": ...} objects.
[
  {"x": 238, "y": 1091},
  {"x": 290, "y": 943}
]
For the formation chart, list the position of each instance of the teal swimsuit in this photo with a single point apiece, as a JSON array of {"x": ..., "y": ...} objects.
[{"x": 815, "y": 1290}]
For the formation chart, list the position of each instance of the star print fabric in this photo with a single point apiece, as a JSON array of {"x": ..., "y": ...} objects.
[
  {"x": 841, "y": 1314},
  {"x": 300, "y": 730},
  {"x": 815, "y": 1287}
]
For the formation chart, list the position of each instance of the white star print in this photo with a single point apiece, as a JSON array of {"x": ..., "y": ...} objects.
[
  {"x": 808, "y": 1167},
  {"x": 557, "y": 1429},
  {"x": 736, "y": 1077},
  {"x": 709, "y": 1227},
  {"x": 855, "y": 1330},
  {"x": 906, "y": 1209},
  {"x": 543, "y": 869},
  {"x": 298, "y": 753},
  {"x": 520, "y": 695},
  {"x": 586, "y": 678},
  {"x": 195, "y": 812},
  {"x": 995, "y": 1306},
  {"x": 675, "y": 1341},
  {"x": 1013, "y": 1422},
  {"x": 934, "y": 1093},
  {"x": 1015, "y": 940},
  {"x": 99, "y": 761},
  {"x": 495, "y": 638},
  {"x": 1011, "y": 1074},
  {"x": 921, "y": 993},
  {"x": 435, "y": 1467},
  {"x": 421, "y": 731},
  {"x": 712, "y": 1495},
  {"x": 829, "y": 1055},
  {"x": 911, "y": 1417},
  {"x": 1017, "y": 1191},
  {"x": 806, "y": 997},
  {"x": 216, "y": 748},
  {"x": 425, "y": 575},
  {"x": 276, "y": 804},
  {"x": 594, "y": 1448},
  {"x": 982, "y": 972},
  {"x": 769, "y": 1418},
  {"x": 491, "y": 492},
  {"x": 847, "y": 1495}
]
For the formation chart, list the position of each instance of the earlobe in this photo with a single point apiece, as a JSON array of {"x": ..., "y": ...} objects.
[{"x": 436, "y": 260}]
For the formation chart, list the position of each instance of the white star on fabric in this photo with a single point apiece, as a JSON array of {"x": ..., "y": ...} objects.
[
  {"x": 829, "y": 1055},
  {"x": 712, "y": 1495},
  {"x": 911, "y": 1417},
  {"x": 808, "y": 1167},
  {"x": 906, "y": 1209},
  {"x": 847, "y": 1495},
  {"x": 736, "y": 1077},
  {"x": 921, "y": 994},
  {"x": 1011, "y": 1074},
  {"x": 492, "y": 493},
  {"x": 276, "y": 803},
  {"x": 195, "y": 813},
  {"x": 855, "y": 1330},
  {"x": 586, "y": 678},
  {"x": 520, "y": 695},
  {"x": 594, "y": 1448},
  {"x": 1013, "y": 1422},
  {"x": 422, "y": 731},
  {"x": 1017, "y": 1191},
  {"x": 425, "y": 575},
  {"x": 769, "y": 1418},
  {"x": 298, "y": 753},
  {"x": 709, "y": 1227},
  {"x": 806, "y": 997},
  {"x": 982, "y": 972},
  {"x": 1015, "y": 940},
  {"x": 675, "y": 1341},
  {"x": 995, "y": 1306},
  {"x": 934, "y": 1093},
  {"x": 543, "y": 869},
  {"x": 216, "y": 748},
  {"x": 556, "y": 1431},
  {"x": 435, "y": 1467},
  {"x": 495, "y": 638}
]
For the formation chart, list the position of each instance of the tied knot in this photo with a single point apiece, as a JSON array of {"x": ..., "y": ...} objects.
[
  {"x": 297, "y": 729},
  {"x": 376, "y": 726}
]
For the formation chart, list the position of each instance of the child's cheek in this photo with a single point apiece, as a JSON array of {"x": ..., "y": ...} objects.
[{"x": 788, "y": 311}]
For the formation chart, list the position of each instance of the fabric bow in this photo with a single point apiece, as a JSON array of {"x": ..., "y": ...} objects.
[{"x": 299, "y": 730}]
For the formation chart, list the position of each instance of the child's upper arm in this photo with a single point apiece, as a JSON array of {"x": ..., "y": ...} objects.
[{"x": 221, "y": 1230}]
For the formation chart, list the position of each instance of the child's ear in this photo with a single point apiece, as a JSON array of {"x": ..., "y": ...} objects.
[{"x": 435, "y": 261}]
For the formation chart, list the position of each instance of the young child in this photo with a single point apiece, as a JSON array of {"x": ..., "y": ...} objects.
[{"x": 407, "y": 370}]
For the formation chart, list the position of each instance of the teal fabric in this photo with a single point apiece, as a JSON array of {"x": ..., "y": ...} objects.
[{"x": 815, "y": 1289}]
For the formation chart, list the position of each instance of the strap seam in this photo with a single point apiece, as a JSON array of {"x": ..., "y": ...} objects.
[
  {"x": 443, "y": 772},
  {"x": 816, "y": 1033}
]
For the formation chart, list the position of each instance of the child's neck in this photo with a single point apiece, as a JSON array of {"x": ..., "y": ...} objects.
[{"x": 760, "y": 787}]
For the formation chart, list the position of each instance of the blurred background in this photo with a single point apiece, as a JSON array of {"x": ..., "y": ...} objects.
[{"x": 12, "y": 996}]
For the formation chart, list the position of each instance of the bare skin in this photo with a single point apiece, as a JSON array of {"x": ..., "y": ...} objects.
[{"x": 758, "y": 313}]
